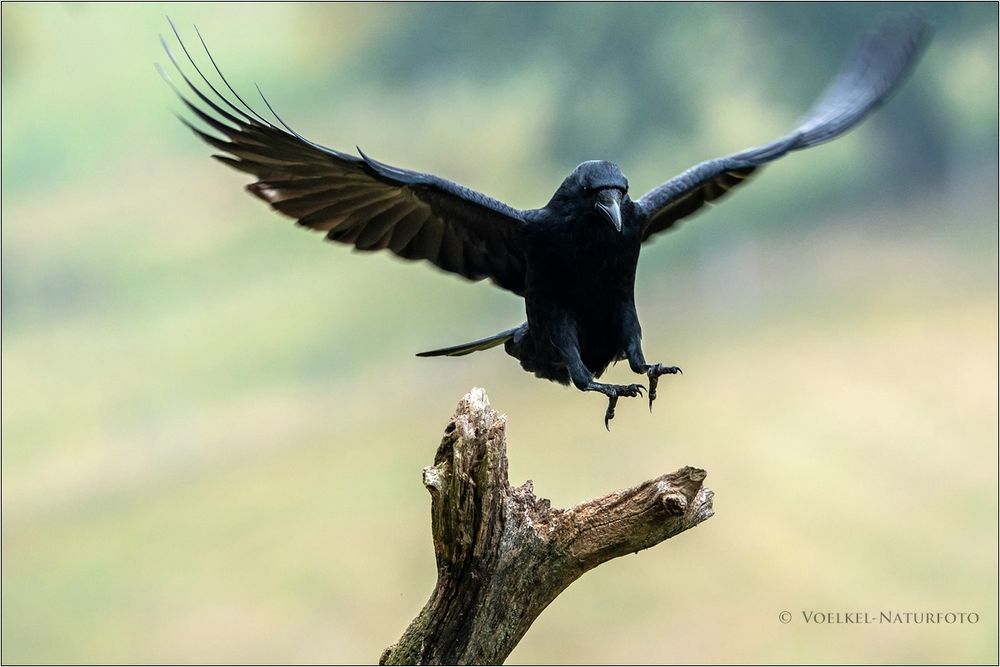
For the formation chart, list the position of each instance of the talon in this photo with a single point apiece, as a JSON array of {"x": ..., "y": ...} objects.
[
  {"x": 653, "y": 373},
  {"x": 610, "y": 413}
]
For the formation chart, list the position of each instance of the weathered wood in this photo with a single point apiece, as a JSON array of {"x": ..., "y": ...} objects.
[{"x": 503, "y": 554}]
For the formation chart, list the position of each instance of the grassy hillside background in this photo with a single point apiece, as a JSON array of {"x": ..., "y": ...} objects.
[{"x": 214, "y": 424}]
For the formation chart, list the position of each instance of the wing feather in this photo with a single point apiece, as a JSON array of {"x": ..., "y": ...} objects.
[
  {"x": 403, "y": 231},
  {"x": 355, "y": 199},
  {"x": 878, "y": 67}
]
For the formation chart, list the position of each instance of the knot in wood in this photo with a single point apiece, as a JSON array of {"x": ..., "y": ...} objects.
[{"x": 674, "y": 503}]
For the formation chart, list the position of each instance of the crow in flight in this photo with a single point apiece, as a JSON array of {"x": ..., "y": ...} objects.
[{"x": 572, "y": 260}]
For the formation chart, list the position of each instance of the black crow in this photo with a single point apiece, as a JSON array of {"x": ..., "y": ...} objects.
[{"x": 573, "y": 260}]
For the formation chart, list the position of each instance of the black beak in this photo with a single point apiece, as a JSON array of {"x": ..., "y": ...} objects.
[{"x": 609, "y": 202}]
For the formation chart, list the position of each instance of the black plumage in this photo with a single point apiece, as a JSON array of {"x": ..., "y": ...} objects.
[{"x": 573, "y": 260}]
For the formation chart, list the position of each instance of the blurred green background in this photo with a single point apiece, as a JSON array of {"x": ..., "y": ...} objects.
[{"x": 214, "y": 424}]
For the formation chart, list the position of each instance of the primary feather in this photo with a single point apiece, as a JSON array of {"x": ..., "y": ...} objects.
[
  {"x": 357, "y": 200},
  {"x": 870, "y": 77}
]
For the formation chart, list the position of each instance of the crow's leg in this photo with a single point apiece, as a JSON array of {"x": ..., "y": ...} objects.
[
  {"x": 637, "y": 362},
  {"x": 584, "y": 381}
]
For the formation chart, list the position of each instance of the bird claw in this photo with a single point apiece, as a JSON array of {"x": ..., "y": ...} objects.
[
  {"x": 617, "y": 390},
  {"x": 654, "y": 373},
  {"x": 610, "y": 413},
  {"x": 630, "y": 390}
]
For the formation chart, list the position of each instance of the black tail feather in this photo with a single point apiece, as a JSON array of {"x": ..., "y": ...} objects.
[{"x": 474, "y": 346}]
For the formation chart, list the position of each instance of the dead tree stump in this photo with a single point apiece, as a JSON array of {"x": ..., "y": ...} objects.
[{"x": 503, "y": 554}]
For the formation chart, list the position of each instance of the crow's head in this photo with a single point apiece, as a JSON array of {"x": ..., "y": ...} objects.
[{"x": 596, "y": 186}]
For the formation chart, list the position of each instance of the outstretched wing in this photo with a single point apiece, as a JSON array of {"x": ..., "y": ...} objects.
[
  {"x": 357, "y": 200},
  {"x": 879, "y": 65}
]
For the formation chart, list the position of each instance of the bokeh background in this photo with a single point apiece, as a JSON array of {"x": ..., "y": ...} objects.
[{"x": 214, "y": 424}]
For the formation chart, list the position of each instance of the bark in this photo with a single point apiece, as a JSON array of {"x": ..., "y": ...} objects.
[{"x": 504, "y": 554}]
